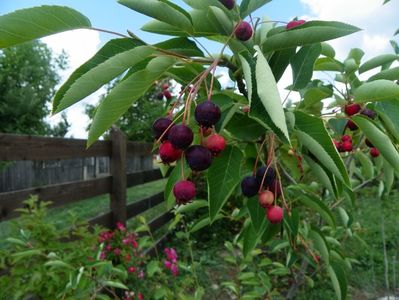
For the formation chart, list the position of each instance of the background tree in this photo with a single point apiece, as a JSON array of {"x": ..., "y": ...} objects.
[
  {"x": 28, "y": 77},
  {"x": 137, "y": 122}
]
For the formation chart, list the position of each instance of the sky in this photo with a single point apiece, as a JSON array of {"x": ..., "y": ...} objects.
[{"x": 377, "y": 21}]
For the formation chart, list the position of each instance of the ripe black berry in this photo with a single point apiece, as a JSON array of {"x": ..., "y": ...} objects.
[
  {"x": 369, "y": 113},
  {"x": 249, "y": 186},
  {"x": 207, "y": 114},
  {"x": 181, "y": 136},
  {"x": 198, "y": 158},
  {"x": 229, "y": 4},
  {"x": 243, "y": 31},
  {"x": 269, "y": 178},
  {"x": 159, "y": 127}
]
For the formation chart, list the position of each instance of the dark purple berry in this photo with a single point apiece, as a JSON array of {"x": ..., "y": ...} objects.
[
  {"x": 369, "y": 113},
  {"x": 368, "y": 143},
  {"x": 207, "y": 114},
  {"x": 249, "y": 186},
  {"x": 243, "y": 31},
  {"x": 269, "y": 178},
  {"x": 198, "y": 158},
  {"x": 181, "y": 136},
  {"x": 159, "y": 127},
  {"x": 229, "y": 4},
  {"x": 160, "y": 96}
]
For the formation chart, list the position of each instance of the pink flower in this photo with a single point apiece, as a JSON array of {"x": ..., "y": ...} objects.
[
  {"x": 171, "y": 254},
  {"x": 168, "y": 264},
  {"x": 131, "y": 269},
  {"x": 174, "y": 269},
  {"x": 126, "y": 241},
  {"x": 102, "y": 255},
  {"x": 117, "y": 251},
  {"x": 108, "y": 248},
  {"x": 120, "y": 226},
  {"x": 141, "y": 274},
  {"x": 134, "y": 244}
]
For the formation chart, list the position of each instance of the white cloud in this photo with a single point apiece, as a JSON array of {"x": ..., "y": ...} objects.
[{"x": 79, "y": 45}]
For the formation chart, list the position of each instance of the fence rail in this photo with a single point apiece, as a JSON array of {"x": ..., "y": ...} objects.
[{"x": 118, "y": 149}]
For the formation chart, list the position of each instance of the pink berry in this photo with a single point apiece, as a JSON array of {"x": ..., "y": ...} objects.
[
  {"x": 215, "y": 143},
  {"x": 346, "y": 146},
  {"x": 184, "y": 191},
  {"x": 294, "y": 23},
  {"x": 352, "y": 109},
  {"x": 275, "y": 214},
  {"x": 346, "y": 138},
  {"x": 169, "y": 153},
  {"x": 266, "y": 199},
  {"x": 374, "y": 152}
]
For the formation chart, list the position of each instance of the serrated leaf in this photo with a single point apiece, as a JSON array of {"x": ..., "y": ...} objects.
[
  {"x": 321, "y": 175},
  {"x": 308, "y": 33},
  {"x": 316, "y": 94},
  {"x": 314, "y": 136},
  {"x": 379, "y": 139},
  {"x": 367, "y": 165},
  {"x": 256, "y": 212},
  {"x": 302, "y": 64},
  {"x": 251, "y": 238},
  {"x": 161, "y": 10},
  {"x": 122, "y": 96},
  {"x": 320, "y": 244},
  {"x": 32, "y": 23},
  {"x": 249, "y": 6},
  {"x": 203, "y": 4},
  {"x": 222, "y": 178},
  {"x": 174, "y": 177},
  {"x": 377, "y": 61},
  {"x": 280, "y": 61},
  {"x": 378, "y": 90},
  {"x": 244, "y": 128},
  {"x": 115, "y": 284},
  {"x": 319, "y": 206},
  {"x": 388, "y": 111},
  {"x": 221, "y": 21}
]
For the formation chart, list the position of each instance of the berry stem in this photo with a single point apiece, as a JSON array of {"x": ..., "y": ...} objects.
[
  {"x": 258, "y": 156},
  {"x": 182, "y": 167}
]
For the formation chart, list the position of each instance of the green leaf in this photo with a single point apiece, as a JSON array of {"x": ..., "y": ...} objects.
[
  {"x": 389, "y": 112},
  {"x": 193, "y": 206},
  {"x": 122, "y": 96},
  {"x": 221, "y": 21},
  {"x": 115, "y": 284},
  {"x": 302, "y": 64},
  {"x": 315, "y": 203},
  {"x": 308, "y": 33},
  {"x": 338, "y": 279},
  {"x": 389, "y": 176},
  {"x": 203, "y": 222},
  {"x": 320, "y": 244},
  {"x": 314, "y": 136},
  {"x": 328, "y": 64},
  {"x": 175, "y": 176},
  {"x": 244, "y": 128},
  {"x": 251, "y": 238},
  {"x": 316, "y": 94},
  {"x": 101, "y": 69},
  {"x": 152, "y": 268},
  {"x": 58, "y": 264},
  {"x": 266, "y": 107},
  {"x": 249, "y": 6},
  {"x": 327, "y": 50},
  {"x": 389, "y": 74},
  {"x": 203, "y": 4},
  {"x": 377, "y": 61},
  {"x": 321, "y": 175},
  {"x": 367, "y": 165},
  {"x": 256, "y": 212},
  {"x": 223, "y": 176},
  {"x": 379, "y": 139},
  {"x": 33, "y": 23},
  {"x": 378, "y": 90},
  {"x": 161, "y": 10},
  {"x": 16, "y": 241},
  {"x": 280, "y": 61}
]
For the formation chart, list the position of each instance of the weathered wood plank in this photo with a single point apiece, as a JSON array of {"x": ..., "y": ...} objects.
[
  {"x": 59, "y": 194},
  {"x": 29, "y": 147},
  {"x": 135, "y": 208},
  {"x": 161, "y": 220},
  {"x": 138, "y": 148},
  {"x": 136, "y": 178},
  {"x": 104, "y": 219}
]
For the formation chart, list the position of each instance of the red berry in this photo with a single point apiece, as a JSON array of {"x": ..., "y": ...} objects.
[
  {"x": 352, "y": 109},
  {"x": 184, "y": 191},
  {"x": 169, "y": 153},
  {"x": 337, "y": 144},
  {"x": 165, "y": 86},
  {"x": 167, "y": 94},
  {"x": 346, "y": 138},
  {"x": 243, "y": 31},
  {"x": 246, "y": 109},
  {"x": 215, "y": 143},
  {"x": 374, "y": 152},
  {"x": 346, "y": 146},
  {"x": 181, "y": 136},
  {"x": 266, "y": 199},
  {"x": 294, "y": 23},
  {"x": 351, "y": 125},
  {"x": 368, "y": 143},
  {"x": 275, "y": 214}
]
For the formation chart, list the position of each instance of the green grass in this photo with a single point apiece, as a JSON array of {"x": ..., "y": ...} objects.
[{"x": 90, "y": 208}]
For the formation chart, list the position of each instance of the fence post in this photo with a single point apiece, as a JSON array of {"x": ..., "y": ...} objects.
[{"x": 118, "y": 172}]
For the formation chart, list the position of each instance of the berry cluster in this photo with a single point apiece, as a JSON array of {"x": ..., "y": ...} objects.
[
  {"x": 268, "y": 187},
  {"x": 345, "y": 145},
  {"x": 165, "y": 92},
  {"x": 177, "y": 140}
]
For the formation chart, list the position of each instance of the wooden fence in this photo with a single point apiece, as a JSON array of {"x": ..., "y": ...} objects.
[{"x": 25, "y": 147}]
